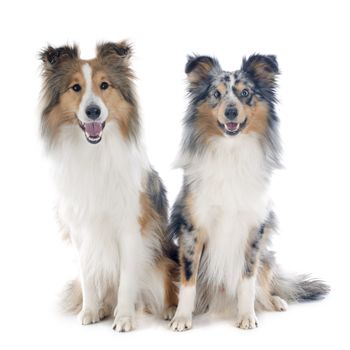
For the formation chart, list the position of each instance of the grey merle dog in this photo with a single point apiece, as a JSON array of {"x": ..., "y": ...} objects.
[{"x": 223, "y": 217}]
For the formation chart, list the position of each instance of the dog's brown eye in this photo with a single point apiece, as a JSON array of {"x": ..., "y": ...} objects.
[
  {"x": 244, "y": 93},
  {"x": 217, "y": 94},
  {"x": 76, "y": 87},
  {"x": 104, "y": 86}
]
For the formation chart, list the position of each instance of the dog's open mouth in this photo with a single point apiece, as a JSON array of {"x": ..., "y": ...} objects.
[
  {"x": 92, "y": 131},
  {"x": 231, "y": 128}
]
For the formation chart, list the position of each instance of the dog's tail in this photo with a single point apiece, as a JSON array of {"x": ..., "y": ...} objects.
[
  {"x": 71, "y": 298},
  {"x": 299, "y": 288}
]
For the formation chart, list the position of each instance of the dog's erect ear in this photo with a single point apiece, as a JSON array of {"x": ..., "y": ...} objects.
[
  {"x": 199, "y": 68},
  {"x": 54, "y": 56},
  {"x": 261, "y": 69},
  {"x": 121, "y": 50}
]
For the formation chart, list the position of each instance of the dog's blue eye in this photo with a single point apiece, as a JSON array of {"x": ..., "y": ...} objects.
[
  {"x": 217, "y": 94},
  {"x": 104, "y": 86},
  {"x": 76, "y": 87},
  {"x": 244, "y": 93}
]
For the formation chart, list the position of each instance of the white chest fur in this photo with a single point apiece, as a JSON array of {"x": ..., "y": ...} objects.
[
  {"x": 99, "y": 188},
  {"x": 96, "y": 181},
  {"x": 230, "y": 199}
]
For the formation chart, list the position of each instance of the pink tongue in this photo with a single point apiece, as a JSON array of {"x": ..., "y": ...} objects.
[
  {"x": 93, "y": 129},
  {"x": 231, "y": 126}
]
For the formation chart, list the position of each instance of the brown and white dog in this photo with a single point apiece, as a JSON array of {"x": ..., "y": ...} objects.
[
  {"x": 111, "y": 201},
  {"x": 222, "y": 217}
]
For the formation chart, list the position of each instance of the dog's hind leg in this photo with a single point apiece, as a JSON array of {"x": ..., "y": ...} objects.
[{"x": 170, "y": 274}]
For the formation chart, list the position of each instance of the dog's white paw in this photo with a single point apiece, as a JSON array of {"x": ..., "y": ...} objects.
[
  {"x": 87, "y": 316},
  {"x": 123, "y": 323},
  {"x": 279, "y": 304},
  {"x": 181, "y": 323},
  {"x": 247, "y": 322},
  {"x": 169, "y": 313}
]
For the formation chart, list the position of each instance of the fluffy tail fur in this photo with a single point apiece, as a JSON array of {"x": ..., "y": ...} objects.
[
  {"x": 71, "y": 300},
  {"x": 299, "y": 288}
]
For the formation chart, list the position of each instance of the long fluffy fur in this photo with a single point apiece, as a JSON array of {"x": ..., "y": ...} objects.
[
  {"x": 299, "y": 288},
  {"x": 222, "y": 217},
  {"x": 111, "y": 202}
]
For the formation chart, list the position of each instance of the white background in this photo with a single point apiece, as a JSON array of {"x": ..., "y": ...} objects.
[{"x": 311, "y": 195}]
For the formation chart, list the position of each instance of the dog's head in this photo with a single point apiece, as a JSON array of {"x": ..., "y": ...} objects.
[
  {"x": 88, "y": 93},
  {"x": 231, "y": 103}
]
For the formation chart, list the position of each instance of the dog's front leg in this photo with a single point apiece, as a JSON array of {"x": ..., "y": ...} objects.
[
  {"x": 91, "y": 311},
  {"x": 246, "y": 318},
  {"x": 191, "y": 246},
  {"x": 130, "y": 249}
]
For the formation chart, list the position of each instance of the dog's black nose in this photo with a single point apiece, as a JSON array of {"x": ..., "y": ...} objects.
[
  {"x": 93, "y": 111},
  {"x": 231, "y": 112}
]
